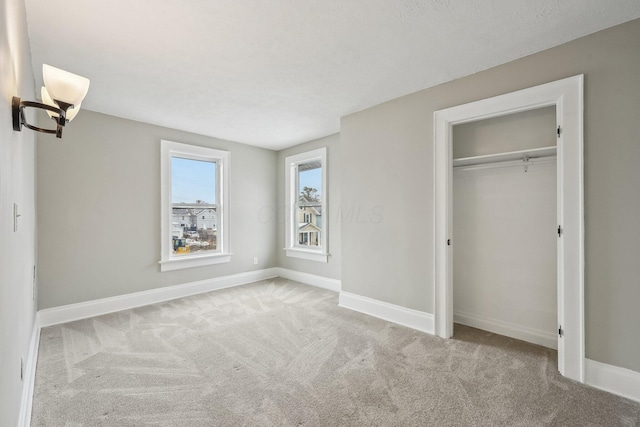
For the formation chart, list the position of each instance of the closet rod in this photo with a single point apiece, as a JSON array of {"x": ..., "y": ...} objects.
[
  {"x": 505, "y": 156},
  {"x": 509, "y": 163}
]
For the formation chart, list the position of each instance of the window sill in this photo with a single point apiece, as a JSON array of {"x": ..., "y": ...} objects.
[
  {"x": 193, "y": 261},
  {"x": 307, "y": 254}
]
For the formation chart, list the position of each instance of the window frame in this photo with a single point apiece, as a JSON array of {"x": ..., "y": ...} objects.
[
  {"x": 170, "y": 149},
  {"x": 292, "y": 249}
]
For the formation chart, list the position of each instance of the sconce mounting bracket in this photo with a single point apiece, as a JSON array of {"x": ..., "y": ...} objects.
[{"x": 18, "y": 106}]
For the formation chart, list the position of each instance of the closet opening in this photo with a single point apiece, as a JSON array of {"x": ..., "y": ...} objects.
[{"x": 504, "y": 192}]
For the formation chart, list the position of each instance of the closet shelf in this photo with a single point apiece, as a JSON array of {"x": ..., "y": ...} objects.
[{"x": 504, "y": 157}]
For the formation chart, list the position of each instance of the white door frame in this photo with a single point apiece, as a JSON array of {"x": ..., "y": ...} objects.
[{"x": 567, "y": 96}]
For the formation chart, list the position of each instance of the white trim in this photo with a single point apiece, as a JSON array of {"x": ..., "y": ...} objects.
[
  {"x": 334, "y": 285},
  {"x": 169, "y": 149},
  {"x": 404, "y": 316},
  {"x": 291, "y": 196},
  {"x": 614, "y": 379},
  {"x": 83, "y": 310},
  {"x": 567, "y": 96},
  {"x": 26, "y": 402},
  {"x": 508, "y": 329},
  {"x": 194, "y": 261},
  {"x": 307, "y": 254}
]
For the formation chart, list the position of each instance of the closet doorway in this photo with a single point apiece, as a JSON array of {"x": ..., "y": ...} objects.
[
  {"x": 504, "y": 216},
  {"x": 567, "y": 97}
]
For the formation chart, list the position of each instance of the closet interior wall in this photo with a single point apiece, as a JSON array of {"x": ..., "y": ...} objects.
[{"x": 504, "y": 217}]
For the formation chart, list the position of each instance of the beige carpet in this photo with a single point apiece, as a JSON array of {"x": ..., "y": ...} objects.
[{"x": 280, "y": 353}]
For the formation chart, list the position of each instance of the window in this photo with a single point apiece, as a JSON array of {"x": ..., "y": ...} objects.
[
  {"x": 194, "y": 184},
  {"x": 306, "y": 224}
]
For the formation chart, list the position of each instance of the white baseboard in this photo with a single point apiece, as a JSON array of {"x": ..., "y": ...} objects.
[
  {"x": 29, "y": 373},
  {"x": 621, "y": 381},
  {"x": 310, "y": 279},
  {"x": 519, "y": 332},
  {"x": 83, "y": 310},
  {"x": 393, "y": 313}
]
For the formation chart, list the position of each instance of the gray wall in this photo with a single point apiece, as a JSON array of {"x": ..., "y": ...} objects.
[
  {"x": 106, "y": 171},
  {"x": 332, "y": 268},
  {"x": 388, "y": 152},
  {"x": 17, "y": 176}
]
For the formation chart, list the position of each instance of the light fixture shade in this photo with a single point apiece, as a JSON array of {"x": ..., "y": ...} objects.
[
  {"x": 64, "y": 86},
  {"x": 46, "y": 99}
]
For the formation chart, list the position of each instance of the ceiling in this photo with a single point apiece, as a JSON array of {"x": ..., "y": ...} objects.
[{"x": 280, "y": 72}]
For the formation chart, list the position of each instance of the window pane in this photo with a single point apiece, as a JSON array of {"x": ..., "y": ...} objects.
[
  {"x": 309, "y": 207},
  {"x": 310, "y": 181},
  {"x": 194, "y": 206}
]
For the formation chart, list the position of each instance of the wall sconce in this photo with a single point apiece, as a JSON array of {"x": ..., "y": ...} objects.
[{"x": 62, "y": 95}]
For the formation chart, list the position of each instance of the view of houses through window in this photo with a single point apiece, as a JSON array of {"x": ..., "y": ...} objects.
[
  {"x": 309, "y": 205},
  {"x": 194, "y": 208}
]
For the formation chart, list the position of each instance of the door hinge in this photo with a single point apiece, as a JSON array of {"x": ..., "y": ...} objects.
[
  {"x": 559, "y": 231},
  {"x": 448, "y": 242},
  {"x": 558, "y": 131},
  {"x": 560, "y": 331}
]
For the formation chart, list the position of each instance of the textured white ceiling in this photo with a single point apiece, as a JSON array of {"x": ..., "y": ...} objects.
[{"x": 279, "y": 72}]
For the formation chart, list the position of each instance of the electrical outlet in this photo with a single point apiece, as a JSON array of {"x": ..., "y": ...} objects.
[{"x": 255, "y": 261}]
